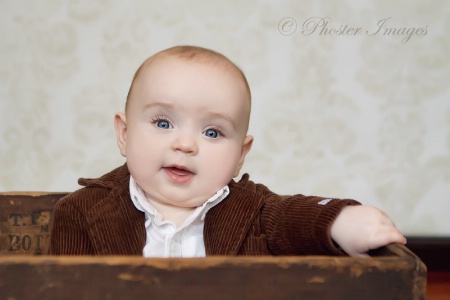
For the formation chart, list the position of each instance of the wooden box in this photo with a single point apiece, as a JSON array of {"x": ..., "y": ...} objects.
[{"x": 393, "y": 272}]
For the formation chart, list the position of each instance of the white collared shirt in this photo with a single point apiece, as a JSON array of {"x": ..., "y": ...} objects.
[{"x": 164, "y": 239}]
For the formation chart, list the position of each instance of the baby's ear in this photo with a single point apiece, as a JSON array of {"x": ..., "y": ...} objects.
[
  {"x": 246, "y": 146},
  {"x": 120, "y": 124}
]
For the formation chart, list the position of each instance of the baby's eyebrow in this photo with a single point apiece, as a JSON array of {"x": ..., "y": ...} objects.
[
  {"x": 158, "y": 104},
  {"x": 217, "y": 115}
]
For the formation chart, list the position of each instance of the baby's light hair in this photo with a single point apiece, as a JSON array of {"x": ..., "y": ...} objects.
[{"x": 195, "y": 54}]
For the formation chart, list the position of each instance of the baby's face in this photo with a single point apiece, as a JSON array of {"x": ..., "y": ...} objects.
[{"x": 186, "y": 126}]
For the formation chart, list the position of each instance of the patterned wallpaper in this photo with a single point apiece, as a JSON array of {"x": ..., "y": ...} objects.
[{"x": 350, "y": 98}]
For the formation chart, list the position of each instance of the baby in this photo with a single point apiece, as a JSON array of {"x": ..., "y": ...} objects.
[{"x": 184, "y": 135}]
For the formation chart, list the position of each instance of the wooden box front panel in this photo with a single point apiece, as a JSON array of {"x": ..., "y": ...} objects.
[
  {"x": 24, "y": 222},
  {"x": 398, "y": 275}
]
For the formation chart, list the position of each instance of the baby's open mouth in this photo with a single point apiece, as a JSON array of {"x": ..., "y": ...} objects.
[{"x": 178, "y": 174}]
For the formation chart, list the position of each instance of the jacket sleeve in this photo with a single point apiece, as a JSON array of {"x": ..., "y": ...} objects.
[
  {"x": 301, "y": 225},
  {"x": 69, "y": 234}
]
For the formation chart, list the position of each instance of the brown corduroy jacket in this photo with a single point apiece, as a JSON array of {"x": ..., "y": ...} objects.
[{"x": 101, "y": 219}]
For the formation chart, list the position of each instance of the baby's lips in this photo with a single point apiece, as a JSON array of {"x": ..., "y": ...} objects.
[{"x": 180, "y": 172}]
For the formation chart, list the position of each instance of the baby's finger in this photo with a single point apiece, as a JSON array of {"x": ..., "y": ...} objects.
[
  {"x": 384, "y": 218},
  {"x": 387, "y": 235},
  {"x": 388, "y": 221}
]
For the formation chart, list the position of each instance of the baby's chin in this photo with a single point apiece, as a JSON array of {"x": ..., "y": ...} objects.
[
  {"x": 192, "y": 202},
  {"x": 186, "y": 196},
  {"x": 181, "y": 201}
]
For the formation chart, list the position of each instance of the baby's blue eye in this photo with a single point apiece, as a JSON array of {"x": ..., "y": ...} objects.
[
  {"x": 163, "y": 124},
  {"x": 211, "y": 133}
]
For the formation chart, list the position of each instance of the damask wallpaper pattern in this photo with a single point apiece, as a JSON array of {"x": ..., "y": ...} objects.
[{"x": 337, "y": 111}]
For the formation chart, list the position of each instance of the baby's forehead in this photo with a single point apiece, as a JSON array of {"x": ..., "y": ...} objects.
[
  {"x": 215, "y": 62},
  {"x": 177, "y": 68}
]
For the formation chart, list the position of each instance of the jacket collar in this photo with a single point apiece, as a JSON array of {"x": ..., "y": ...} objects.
[
  {"x": 227, "y": 223},
  {"x": 116, "y": 226}
]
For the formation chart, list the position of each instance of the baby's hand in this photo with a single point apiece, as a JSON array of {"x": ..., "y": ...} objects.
[{"x": 358, "y": 229}]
